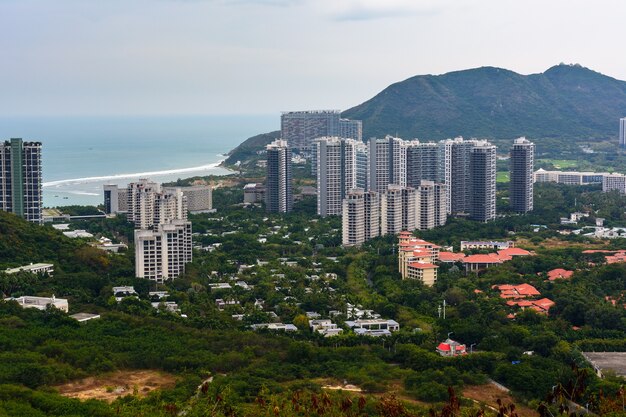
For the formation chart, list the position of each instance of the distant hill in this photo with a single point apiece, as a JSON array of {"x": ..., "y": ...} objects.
[
  {"x": 250, "y": 146},
  {"x": 564, "y": 101}
]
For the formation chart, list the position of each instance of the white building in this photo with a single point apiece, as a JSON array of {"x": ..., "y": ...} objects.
[
  {"x": 611, "y": 182},
  {"x": 336, "y": 173},
  {"x": 38, "y": 268},
  {"x": 199, "y": 198},
  {"x": 162, "y": 253},
  {"x": 622, "y": 132},
  {"x": 431, "y": 205},
  {"x": 150, "y": 205},
  {"x": 115, "y": 199},
  {"x": 41, "y": 303}
]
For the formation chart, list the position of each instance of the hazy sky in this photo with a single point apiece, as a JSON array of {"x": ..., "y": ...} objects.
[{"x": 102, "y": 57}]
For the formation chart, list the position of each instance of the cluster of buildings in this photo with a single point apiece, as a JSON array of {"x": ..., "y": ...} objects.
[
  {"x": 610, "y": 181},
  {"x": 418, "y": 259},
  {"x": 387, "y": 185},
  {"x": 163, "y": 244},
  {"x": 163, "y": 241}
]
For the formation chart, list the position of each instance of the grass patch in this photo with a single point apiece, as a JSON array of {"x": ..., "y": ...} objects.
[
  {"x": 560, "y": 163},
  {"x": 502, "y": 176}
]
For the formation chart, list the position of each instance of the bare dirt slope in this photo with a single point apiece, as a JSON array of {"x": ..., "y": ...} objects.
[{"x": 118, "y": 384}]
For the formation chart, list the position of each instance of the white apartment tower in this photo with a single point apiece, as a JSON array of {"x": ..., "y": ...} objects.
[
  {"x": 386, "y": 163},
  {"x": 431, "y": 209},
  {"x": 622, "y": 132},
  {"x": 521, "y": 175},
  {"x": 353, "y": 218},
  {"x": 336, "y": 173},
  {"x": 149, "y": 205},
  {"x": 361, "y": 217},
  {"x": 278, "y": 192},
  {"x": 482, "y": 187},
  {"x": 161, "y": 253}
]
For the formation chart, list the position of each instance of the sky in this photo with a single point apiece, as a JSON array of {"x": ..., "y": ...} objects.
[{"x": 171, "y": 57}]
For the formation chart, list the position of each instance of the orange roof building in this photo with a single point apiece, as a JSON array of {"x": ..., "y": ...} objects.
[{"x": 559, "y": 273}]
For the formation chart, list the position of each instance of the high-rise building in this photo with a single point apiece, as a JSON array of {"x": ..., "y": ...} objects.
[
  {"x": 20, "y": 179},
  {"x": 361, "y": 217},
  {"x": 431, "y": 210},
  {"x": 386, "y": 163},
  {"x": 336, "y": 173},
  {"x": 300, "y": 128},
  {"x": 149, "y": 205},
  {"x": 353, "y": 218},
  {"x": 622, "y": 132},
  {"x": 482, "y": 188},
  {"x": 455, "y": 169},
  {"x": 422, "y": 162},
  {"x": 278, "y": 193},
  {"x": 521, "y": 175},
  {"x": 199, "y": 197},
  {"x": 351, "y": 129},
  {"x": 115, "y": 199},
  {"x": 361, "y": 165},
  {"x": 162, "y": 253}
]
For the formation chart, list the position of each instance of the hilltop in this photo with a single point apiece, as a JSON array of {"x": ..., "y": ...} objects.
[{"x": 566, "y": 101}]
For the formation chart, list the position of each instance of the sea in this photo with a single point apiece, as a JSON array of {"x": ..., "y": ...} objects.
[{"x": 81, "y": 154}]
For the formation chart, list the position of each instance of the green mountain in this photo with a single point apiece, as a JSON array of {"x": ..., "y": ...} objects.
[
  {"x": 248, "y": 148},
  {"x": 565, "y": 101}
]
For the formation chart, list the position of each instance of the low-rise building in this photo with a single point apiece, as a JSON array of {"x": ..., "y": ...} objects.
[
  {"x": 423, "y": 271},
  {"x": 122, "y": 292},
  {"x": 253, "y": 193},
  {"x": 41, "y": 303},
  {"x": 451, "y": 348},
  {"x": 373, "y": 327},
  {"x": 38, "y": 268},
  {"x": 83, "y": 317},
  {"x": 486, "y": 244},
  {"x": 275, "y": 326}
]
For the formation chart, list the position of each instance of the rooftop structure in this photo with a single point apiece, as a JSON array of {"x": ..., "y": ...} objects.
[
  {"x": 451, "y": 347},
  {"x": 83, "y": 317},
  {"x": 41, "y": 303},
  {"x": 38, "y": 268}
]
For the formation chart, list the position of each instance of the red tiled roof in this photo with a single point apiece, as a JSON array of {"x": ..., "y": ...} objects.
[
  {"x": 451, "y": 256},
  {"x": 514, "y": 252},
  {"x": 559, "y": 273},
  {"x": 544, "y": 303},
  {"x": 422, "y": 265},
  {"x": 482, "y": 259},
  {"x": 444, "y": 346},
  {"x": 527, "y": 289}
]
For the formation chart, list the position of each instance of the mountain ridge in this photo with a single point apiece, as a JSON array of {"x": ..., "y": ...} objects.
[{"x": 564, "y": 100}]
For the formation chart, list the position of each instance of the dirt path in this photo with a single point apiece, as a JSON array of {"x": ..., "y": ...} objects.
[
  {"x": 118, "y": 384},
  {"x": 489, "y": 394}
]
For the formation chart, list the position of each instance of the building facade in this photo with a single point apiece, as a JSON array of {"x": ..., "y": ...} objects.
[
  {"x": 622, "y": 132},
  {"x": 150, "y": 205},
  {"x": 20, "y": 179},
  {"x": 278, "y": 191},
  {"x": 336, "y": 173},
  {"x": 199, "y": 197},
  {"x": 163, "y": 252},
  {"x": 614, "y": 182},
  {"x": 115, "y": 199},
  {"x": 521, "y": 183},
  {"x": 483, "y": 182}
]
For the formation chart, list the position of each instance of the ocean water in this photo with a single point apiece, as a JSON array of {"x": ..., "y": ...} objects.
[{"x": 81, "y": 154}]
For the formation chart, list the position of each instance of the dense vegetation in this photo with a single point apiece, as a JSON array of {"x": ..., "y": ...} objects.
[
  {"x": 295, "y": 264},
  {"x": 567, "y": 101}
]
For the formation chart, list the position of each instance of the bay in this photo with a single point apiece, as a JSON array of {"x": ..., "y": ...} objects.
[{"x": 81, "y": 154}]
